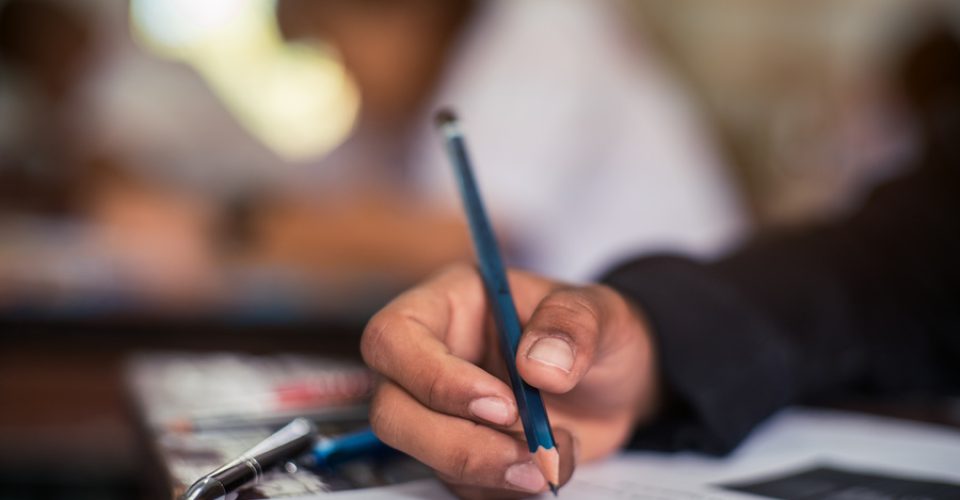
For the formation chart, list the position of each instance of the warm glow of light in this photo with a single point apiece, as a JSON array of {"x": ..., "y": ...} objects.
[{"x": 297, "y": 99}]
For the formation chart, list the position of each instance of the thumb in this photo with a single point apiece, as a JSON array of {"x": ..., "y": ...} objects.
[{"x": 560, "y": 341}]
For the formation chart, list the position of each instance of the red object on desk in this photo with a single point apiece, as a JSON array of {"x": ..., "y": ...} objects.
[{"x": 335, "y": 388}]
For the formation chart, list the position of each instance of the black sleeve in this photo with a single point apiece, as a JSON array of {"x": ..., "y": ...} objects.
[{"x": 870, "y": 305}]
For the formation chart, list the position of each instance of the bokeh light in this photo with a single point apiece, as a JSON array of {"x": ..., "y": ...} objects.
[{"x": 295, "y": 97}]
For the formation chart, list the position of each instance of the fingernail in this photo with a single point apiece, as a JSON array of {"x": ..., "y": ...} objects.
[
  {"x": 554, "y": 352},
  {"x": 491, "y": 409},
  {"x": 526, "y": 476}
]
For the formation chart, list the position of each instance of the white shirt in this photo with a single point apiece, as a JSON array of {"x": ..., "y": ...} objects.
[{"x": 585, "y": 150}]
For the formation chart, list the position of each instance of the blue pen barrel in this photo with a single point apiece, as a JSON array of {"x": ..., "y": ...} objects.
[{"x": 330, "y": 452}]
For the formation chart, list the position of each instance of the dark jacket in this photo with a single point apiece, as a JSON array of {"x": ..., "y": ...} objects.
[{"x": 867, "y": 306}]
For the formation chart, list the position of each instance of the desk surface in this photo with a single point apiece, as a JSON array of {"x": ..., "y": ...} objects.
[{"x": 201, "y": 411}]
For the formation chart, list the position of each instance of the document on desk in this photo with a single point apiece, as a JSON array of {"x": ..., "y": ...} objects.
[{"x": 798, "y": 453}]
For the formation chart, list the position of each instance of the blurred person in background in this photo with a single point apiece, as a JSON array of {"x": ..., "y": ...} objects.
[
  {"x": 572, "y": 118},
  {"x": 112, "y": 162},
  {"x": 185, "y": 196}
]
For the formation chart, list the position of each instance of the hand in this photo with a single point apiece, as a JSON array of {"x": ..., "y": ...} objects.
[{"x": 586, "y": 348}]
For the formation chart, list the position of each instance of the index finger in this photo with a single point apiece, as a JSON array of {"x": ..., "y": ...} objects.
[{"x": 426, "y": 341}]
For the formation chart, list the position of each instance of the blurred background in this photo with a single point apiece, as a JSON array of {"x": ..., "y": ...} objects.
[{"x": 259, "y": 176}]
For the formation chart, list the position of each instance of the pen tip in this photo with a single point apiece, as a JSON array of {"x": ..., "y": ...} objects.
[
  {"x": 444, "y": 116},
  {"x": 207, "y": 488},
  {"x": 553, "y": 488}
]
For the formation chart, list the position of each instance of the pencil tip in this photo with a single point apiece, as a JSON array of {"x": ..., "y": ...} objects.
[
  {"x": 548, "y": 461},
  {"x": 444, "y": 116},
  {"x": 553, "y": 488}
]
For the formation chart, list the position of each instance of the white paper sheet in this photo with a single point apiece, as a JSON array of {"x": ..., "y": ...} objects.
[{"x": 791, "y": 440}]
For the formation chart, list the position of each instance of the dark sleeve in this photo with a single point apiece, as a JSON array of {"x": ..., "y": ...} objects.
[{"x": 870, "y": 305}]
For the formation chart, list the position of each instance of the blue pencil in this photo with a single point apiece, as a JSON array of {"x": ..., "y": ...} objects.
[
  {"x": 536, "y": 425},
  {"x": 330, "y": 452}
]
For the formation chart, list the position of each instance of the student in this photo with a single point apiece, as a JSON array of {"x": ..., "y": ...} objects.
[
  {"x": 669, "y": 353},
  {"x": 596, "y": 110}
]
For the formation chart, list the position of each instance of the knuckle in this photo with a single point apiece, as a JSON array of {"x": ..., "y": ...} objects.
[
  {"x": 373, "y": 339},
  {"x": 585, "y": 305},
  {"x": 411, "y": 317},
  {"x": 459, "y": 465},
  {"x": 382, "y": 417},
  {"x": 437, "y": 387},
  {"x": 570, "y": 310}
]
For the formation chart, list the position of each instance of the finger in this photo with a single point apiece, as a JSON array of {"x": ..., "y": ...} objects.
[
  {"x": 460, "y": 451},
  {"x": 568, "y": 450},
  {"x": 407, "y": 343},
  {"x": 457, "y": 449},
  {"x": 561, "y": 339},
  {"x": 451, "y": 305},
  {"x": 528, "y": 290}
]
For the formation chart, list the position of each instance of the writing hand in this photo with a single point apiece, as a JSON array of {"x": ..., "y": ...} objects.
[{"x": 443, "y": 399}]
